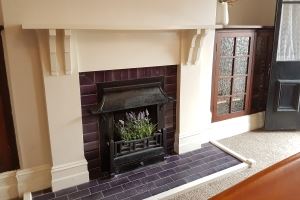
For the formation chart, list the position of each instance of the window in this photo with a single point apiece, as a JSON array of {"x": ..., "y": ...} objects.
[{"x": 232, "y": 73}]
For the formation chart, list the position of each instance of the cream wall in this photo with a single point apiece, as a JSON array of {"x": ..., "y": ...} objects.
[
  {"x": 252, "y": 12},
  {"x": 114, "y": 13},
  {"x": 102, "y": 50}
]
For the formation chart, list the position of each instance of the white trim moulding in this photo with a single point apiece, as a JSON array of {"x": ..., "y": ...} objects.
[{"x": 119, "y": 27}]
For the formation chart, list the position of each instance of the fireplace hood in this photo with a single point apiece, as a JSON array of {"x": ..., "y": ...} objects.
[{"x": 129, "y": 95}]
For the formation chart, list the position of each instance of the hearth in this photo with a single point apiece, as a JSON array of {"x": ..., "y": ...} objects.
[{"x": 119, "y": 99}]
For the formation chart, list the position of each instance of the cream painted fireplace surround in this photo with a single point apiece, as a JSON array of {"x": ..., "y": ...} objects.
[{"x": 49, "y": 42}]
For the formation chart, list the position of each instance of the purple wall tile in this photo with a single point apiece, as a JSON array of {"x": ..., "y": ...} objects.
[
  {"x": 86, "y": 78},
  {"x": 166, "y": 173},
  {"x": 89, "y": 99},
  {"x": 176, "y": 183},
  {"x": 82, "y": 193},
  {"x": 126, "y": 194},
  {"x": 141, "y": 196},
  {"x": 119, "y": 182},
  {"x": 112, "y": 191},
  {"x": 137, "y": 176},
  {"x": 153, "y": 170},
  {"x": 88, "y": 89},
  {"x": 145, "y": 187},
  {"x": 65, "y": 191},
  {"x": 163, "y": 181},
  {"x": 47, "y": 196},
  {"x": 62, "y": 198},
  {"x": 150, "y": 178},
  {"x": 99, "y": 77},
  {"x": 101, "y": 187},
  {"x": 131, "y": 185},
  {"x": 87, "y": 185},
  {"x": 158, "y": 190},
  {"x": 95, "y": 196}
]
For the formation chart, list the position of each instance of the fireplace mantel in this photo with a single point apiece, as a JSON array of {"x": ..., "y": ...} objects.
[
  {"x": 119, "y": 27},
  {"x": 197, "y": 36}
]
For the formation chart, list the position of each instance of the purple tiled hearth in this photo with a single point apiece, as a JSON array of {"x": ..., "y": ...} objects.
[
  {"x": 150, "y": 180},
  {"x": 88, "y": 89}
]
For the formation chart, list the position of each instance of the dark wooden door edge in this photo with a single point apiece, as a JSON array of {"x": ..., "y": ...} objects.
[{"x": 7, "y": 109}]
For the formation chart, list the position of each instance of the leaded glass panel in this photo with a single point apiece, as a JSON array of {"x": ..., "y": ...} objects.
[
  {"x": 223, "y": 105},
  {"x": 241, "y": 65},
  {"x": 239, "y": 85},
  {"x": 242, "y": 46},
  {"x": 224, "y": 86},
  {"x": 227, "y": 46},
  {"x": 237, "y": 104},
  {"x": 226, "y": 66}
]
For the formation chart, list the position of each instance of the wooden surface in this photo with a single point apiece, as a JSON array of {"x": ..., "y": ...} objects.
[{"x": 278, "y": 182}]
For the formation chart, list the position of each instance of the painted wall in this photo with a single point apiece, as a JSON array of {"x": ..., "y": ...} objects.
[{"x": 252, "y": 12}]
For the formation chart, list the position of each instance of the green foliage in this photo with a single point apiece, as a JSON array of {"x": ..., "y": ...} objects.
[{"x": 136, "y": 126}]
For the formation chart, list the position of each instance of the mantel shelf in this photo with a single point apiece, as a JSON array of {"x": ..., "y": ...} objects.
[{"x": 119, "y": 27}]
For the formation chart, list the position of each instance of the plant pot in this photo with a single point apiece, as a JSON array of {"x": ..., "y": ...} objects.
[{"x": 222, "y": 14}]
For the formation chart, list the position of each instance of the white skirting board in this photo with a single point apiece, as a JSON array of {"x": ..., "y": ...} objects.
[
  {"x": 219, "y": 130},
  {"x": 33, "y": 179},
  {"x": 190, "y": 186},
  {"x": 14, "y": 184},
  {"x": 68, "y": 175},
  {"x": 8, "y": 185}
]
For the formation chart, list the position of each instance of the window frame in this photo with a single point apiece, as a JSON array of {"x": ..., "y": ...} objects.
[{"x": 217, "y": 58}]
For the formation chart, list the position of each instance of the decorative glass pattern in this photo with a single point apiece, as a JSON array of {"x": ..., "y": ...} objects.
[
  {"x": 227, "y": 46},
  {"x": 223, "y": 106},
  {"x": 237, "y": 104},
  {"x": 226, "y": 66},
  {"x": 241, "y": 65},
  {"x": 224, "y": 86},
  {"x": 289, "y": 34},
  {"x": 239, "y": 85},
  {"x": 242, "y": 46}
]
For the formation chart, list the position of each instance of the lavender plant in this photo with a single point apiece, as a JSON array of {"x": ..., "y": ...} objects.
[{"x": 136, "y": 126}]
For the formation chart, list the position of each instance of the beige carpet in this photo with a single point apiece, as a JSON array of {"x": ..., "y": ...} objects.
[{"x": 266, "y": 148}]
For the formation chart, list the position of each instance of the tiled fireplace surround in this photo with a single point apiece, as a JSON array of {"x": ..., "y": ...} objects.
[{"x": 88, "y": 90}]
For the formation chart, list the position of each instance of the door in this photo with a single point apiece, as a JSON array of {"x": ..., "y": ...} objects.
[
  {"x": 283, "y": 97},
  {"x": 8, "y": 150}
]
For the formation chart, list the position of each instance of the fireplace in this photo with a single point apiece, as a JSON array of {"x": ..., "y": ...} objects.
[
  {"x": 160, "y": 82},
  {"x": 141, "y": 100}
]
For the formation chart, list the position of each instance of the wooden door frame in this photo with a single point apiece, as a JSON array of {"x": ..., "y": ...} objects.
[{"x": 7, "y": 107}]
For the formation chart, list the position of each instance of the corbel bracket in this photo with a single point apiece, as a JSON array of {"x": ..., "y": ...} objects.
[
  {"x": 53, "y": 53},
  {"x": 67, "y": 51},
  {"x": 196, "y": 45}
]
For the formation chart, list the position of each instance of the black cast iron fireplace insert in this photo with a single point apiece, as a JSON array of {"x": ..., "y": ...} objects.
[{"x": 115, "y": 100}]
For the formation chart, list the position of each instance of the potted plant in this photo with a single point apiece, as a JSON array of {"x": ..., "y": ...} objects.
[
  {"x": 136, "y": 126},
  {"x": 137, "y": 142}
]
